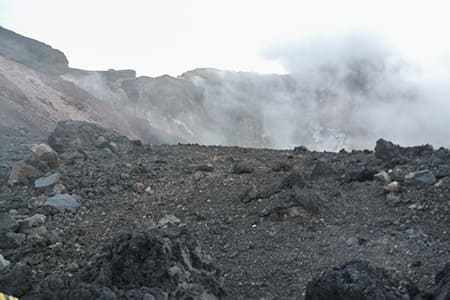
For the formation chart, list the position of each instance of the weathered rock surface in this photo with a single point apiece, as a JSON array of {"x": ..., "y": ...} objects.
[
  {"x": 47, "y": 182},
  {"x": 75, "y": 135},
  {"x": 358, "y": 280},
  {"x": 147, "y": 265},
  {"x": 21, "y": 172},
  {"x": 32, "y": 53},
  {"x": 63, "y": 202}
]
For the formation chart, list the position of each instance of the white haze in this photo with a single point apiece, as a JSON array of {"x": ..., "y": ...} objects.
[{"x": 365, "y": 89}]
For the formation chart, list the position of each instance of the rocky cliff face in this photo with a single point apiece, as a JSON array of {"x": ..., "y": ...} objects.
[{"x": 33, "y": 54}]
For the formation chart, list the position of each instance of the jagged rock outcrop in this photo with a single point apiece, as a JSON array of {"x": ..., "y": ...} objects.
[
  {"x": 32, "y": 53},
  {"x": 141, "y": 265}
]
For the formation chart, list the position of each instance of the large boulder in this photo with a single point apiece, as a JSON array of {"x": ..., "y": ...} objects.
[
  {"x": 359, "y": 280},
  {"x": 70, "y": 136}
]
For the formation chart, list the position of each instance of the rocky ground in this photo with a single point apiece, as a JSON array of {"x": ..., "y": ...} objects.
[{"x": 99, "y": 216}]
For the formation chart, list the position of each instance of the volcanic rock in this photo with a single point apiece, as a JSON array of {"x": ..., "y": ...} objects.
[
  {"x": 394, "y": 186},
  {"x": 16, "y": 280},
  {"x": 150, "y": 264},
  {"x": 46, "y": 154},
  {"x": 242, "y": 168},
  {"x": 47, "y": 182},
  {"x": 359, "y": 280},
  {"x": 7, "y": 223},
  {"x": 62, "y": 202},
  {"x": 420, "y": 179},
  {"x": 20, "y": 172},
  {"x": 33, "y": 221},
  {"x": 73, "y": 136},
  {"x": 138, "y": 187},
  {"x": 4, "y": 262},
  {"x": 442, "y": 280}
]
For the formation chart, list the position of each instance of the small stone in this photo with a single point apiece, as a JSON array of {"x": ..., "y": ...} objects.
[
  {"x": 168, "y": 219},
  {"x": 36, "y": 202},
  {"x": 21, "y": 172},
  {"x": 393, "y": 198},
  {"x": 7, "y": 223},
  {"x": 39, "y": 232},
  {"x": 416, "y": 263},
  {"x": 46, "y": 182},
  {"x": 138, "y": 187},
  {"x": 290, "y": 213},
  {"x": 4, "y": 263},
  {"x": 356, "y": 241},
  {"x": 420, "y": 179},
  {"x": 33, "y": 221},
  {"x": 204, "y": 168},
  {"x": 45, "y": 153},
  {"x": 59, "y": 188},
  {"x": 73, "y": 267},
  {"x": 63, "y": 202},
  {"x": 416, "y": 233},
  {"x": 71, "y": 157},
  {"x": 255, "y": 192},
  {"x": 54, "y": 236},
  {"x": 392, "y": 187},
  {"x": 242, "y": 168},
  {"x": 397, "y": 174},
  {"x": 383, "y": 176}
]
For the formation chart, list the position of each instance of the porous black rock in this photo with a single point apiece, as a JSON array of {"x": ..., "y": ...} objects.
[
  {"x": 359, "y": 280},
  {"x": 135, "y": 263}
]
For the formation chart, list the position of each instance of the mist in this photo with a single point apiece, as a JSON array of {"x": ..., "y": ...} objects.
[
  {"x": 361, "y": 88},
  {"x": 340, "y": 91}
]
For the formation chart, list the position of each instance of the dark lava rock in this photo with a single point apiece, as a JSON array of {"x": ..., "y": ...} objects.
[
  {"x": 242, "y": 168},
  {"x": 323, "y": 169},
  {"x": 300, "y": 149},
  {"x": 204, "y": 168},
  {"x": 153, "y": 264},
  {"x": 278, "y": 166},
  {"x": 389, "y": 153},
  {"x": 73, "y": 136},
  {"x": 7, "y": 223},
  {"x": 358, "y": 280},
  {"x": 394, "y": 154},
  {"x": 442, "y": 280},
  {"x": 11, "y": 240},
  {"x": 294, "y": 179},
  {"x": 360, "y": 174},
  {"x": 296, "y": 200},
  {"x": 16, "y": 280}
]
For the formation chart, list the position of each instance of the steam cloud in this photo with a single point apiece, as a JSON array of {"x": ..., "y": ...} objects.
[
  {"x": 341, "y": 92},
  {"x": 360, "y": 89}
]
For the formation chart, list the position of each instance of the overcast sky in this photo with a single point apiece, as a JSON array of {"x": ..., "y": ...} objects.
[{"x": 172, "y": 36}]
